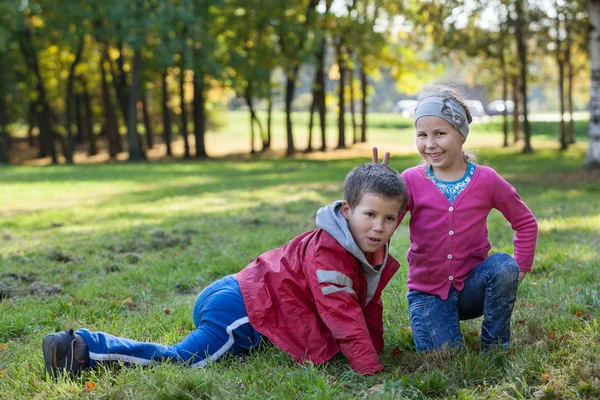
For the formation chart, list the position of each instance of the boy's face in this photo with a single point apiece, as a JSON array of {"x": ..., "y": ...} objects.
[{"x": 373, "y": 221}]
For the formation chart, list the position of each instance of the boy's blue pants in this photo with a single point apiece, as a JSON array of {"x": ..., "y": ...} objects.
[{"x": 222, "y": 328}]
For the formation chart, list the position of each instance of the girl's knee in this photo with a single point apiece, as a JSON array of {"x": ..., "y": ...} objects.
[{"x": 505, "y": 266}]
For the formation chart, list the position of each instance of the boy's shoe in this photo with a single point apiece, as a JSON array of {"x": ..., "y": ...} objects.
[{"x": 64, "y": 352}]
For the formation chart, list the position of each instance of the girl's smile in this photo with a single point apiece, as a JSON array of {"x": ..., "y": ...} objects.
[{"x": 440, "y": 145}]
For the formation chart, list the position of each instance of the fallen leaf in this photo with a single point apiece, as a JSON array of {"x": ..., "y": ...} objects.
[
  {"x": 53, "y": 316},
  {"x": 474, "y": 333},
  {"x": 552, "y": 335},
  {"x": 89, "y": 387},
  {"x": 181, "y": 329},
  {"x": 563, "y": 337},
  {"x": 545, "y": 377},
  {"x": 520, "y": 321},
  {"x": 2, "y": 373},
  {"x": 128, "y": 302},
  {"x": 167, "y": 310},
  {"x": 396, "y": 352},
  {"x": 579, "y": 313},
  {"x": 375, "y": 388},
  {"x": 3, "y": 346}
]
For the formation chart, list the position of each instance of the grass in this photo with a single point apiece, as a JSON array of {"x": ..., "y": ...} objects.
[{"x": 126, "y": 248}]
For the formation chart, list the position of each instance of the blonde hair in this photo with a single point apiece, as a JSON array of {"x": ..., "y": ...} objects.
[{"x": 453, "y": 93}]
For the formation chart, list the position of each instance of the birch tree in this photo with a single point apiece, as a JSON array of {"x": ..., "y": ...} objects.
[{"x": 593, "y": 153}]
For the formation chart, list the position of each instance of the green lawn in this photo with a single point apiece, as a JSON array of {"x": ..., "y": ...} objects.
[{"x": 126, "y": 248}]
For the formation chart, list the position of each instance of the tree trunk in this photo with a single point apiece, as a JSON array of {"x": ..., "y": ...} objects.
[
  {"x": 290, "y": 87},
  {"x": 184, "y": 117},
  {"x": 522, "y": 50},
  {"x": 569, "y": 62},
  {"x": 364, "y": 83},
  {"x": 504, "y": 97},
  {"x": 311, "y": 119},
  {"x": 69, "y": 105},
  {"x": 110, "y": 119},
  {"x": 267, "y": 143},
  {"x": 593, "y": 153},
  {"x": 80, "y": 138},
  {"x": 355, "y": 139},
  {"x": 561, "y": 83},
  {"x": 516, "y": 110},
  {"x": 253, "y": 117},
  {"x": 320, "y": 81},
  {"x": 147, "y": 122},
  {"x": 45, "y": 116},
  {"x": 341, "y": 103},
  {"x": 199, "y": 115},
  {"x": 167, "y": 133},
  {"x": 120, "y": 82},
  {"x": 89, "y": 120},
  {"x": 133, "y": 138},
  {"x": 32, "y": 123},
  {"x": 4, "y": 137}
]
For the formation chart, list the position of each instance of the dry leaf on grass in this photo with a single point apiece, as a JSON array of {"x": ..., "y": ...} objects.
[
  {"x": 167, "y": 310},
  {"x": 89, "y": 387},
  {"x": 3, "y": 346},
  {"x": 128, "y": 302},
  {"x": 375, "y": 388}
]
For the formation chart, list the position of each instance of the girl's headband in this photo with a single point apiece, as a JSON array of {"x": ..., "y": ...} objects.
[{"x": 445, "y": 108}]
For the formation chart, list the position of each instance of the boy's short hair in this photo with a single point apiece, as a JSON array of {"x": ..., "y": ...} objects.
[{"x": 374, "y": 178}]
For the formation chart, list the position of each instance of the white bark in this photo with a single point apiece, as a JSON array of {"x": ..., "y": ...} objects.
[{"x": 593, "y": 154}]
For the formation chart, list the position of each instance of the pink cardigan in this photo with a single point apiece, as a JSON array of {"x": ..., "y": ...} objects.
[{"x": 448, "y": 240}]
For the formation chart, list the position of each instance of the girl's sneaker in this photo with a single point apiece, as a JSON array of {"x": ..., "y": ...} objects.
[{"x": 64, "y": 352}]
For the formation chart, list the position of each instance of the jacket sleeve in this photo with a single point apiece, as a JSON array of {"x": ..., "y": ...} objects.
[
  {"x": 332, "y": 281},
  {"x": 523, "y": 222},
  {"x": 374, "y": 318}
]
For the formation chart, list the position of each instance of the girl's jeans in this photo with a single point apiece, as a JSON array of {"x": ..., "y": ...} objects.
[
  {"x": 222, "y": 328},
  {"x": 490, "y": 290}
]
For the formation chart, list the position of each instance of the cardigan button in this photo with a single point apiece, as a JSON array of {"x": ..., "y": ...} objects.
[
  {"x": 451, "y": 209},
  {"x": 449, "y": 256},
  {"x": 451, "y": 233},
  {"x": 450, "y": 278}
]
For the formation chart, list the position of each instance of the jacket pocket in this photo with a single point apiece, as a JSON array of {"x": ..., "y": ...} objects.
[{"x": 418, "y": 266}]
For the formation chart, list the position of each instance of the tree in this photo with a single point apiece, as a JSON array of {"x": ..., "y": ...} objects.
[{"x": 593, "y": 153}]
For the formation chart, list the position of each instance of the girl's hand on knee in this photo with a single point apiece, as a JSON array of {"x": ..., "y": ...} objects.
[
  {"x": 521, "y": 277},
  {"x": 375, "y": 158}
]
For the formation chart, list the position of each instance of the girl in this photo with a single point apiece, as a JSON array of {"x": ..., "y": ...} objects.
[{"x": 451, "y": 277}]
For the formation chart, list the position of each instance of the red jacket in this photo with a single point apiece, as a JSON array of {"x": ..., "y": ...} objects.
[{"x": 309, "y": 298}]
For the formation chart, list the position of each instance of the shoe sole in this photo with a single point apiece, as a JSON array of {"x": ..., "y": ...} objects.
[{"x": 49, "y": 350}]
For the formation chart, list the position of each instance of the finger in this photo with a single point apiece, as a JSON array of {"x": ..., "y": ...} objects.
[
  {"x": 386, "y": 159},
  {"x": 375, "y": 158}
]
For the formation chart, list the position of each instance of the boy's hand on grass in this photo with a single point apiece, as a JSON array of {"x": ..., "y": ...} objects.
[{"x": 375, "y": 158}]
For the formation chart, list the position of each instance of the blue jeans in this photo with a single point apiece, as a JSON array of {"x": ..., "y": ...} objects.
[
  {"x": 222, "y": 328},
  {"x": 490, "y": 290}
]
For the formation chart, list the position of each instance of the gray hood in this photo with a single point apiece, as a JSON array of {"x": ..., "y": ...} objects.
[{"x": 331, "y": 220}]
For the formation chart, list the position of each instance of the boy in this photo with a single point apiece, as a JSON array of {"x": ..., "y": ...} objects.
[{"x": 318, "y": 294}]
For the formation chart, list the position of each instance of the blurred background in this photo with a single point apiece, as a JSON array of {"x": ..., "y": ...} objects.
[{"x": 90, "y": 81}]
